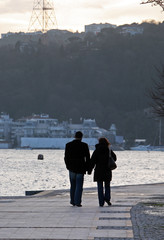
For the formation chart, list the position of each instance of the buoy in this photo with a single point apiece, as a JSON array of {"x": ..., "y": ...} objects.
[{"x": 40, "y": 157}]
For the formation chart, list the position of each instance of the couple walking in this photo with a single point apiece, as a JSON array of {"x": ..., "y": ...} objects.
[{"x": 78, "y": 162}]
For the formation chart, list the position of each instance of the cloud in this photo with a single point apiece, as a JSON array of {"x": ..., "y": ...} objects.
[
  {"x": 133, "y": 13},
  {"x": 74, "y": 14},
  {"x": 92, "y": 4},
  {"x": 16, "y": 6},
  {"x": 76, "y": 5}
]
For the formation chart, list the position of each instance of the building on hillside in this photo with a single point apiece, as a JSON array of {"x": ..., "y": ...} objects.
[
  {"x": 41, "y": 131},
  {"x": 5, "y": 130},
  {"x": 11, "y": 39},
  {"x": 96, "y": 28},
  {"x": 33, "y": 126},
  {"x": 14, "y": 35},
  {"x": 56, "y": 135},
  {"x": 132, "y": 30}
]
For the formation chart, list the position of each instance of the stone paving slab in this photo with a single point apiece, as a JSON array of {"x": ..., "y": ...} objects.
[{"x": 48, "y": 215}]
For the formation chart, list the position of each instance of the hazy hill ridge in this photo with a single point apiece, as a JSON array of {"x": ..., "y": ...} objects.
[{"x": 103, "y": 76}]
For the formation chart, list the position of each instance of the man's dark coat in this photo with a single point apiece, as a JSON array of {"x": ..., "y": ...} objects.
[{"x": 77, "y": 156}]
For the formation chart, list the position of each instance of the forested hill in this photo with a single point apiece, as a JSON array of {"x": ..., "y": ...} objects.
[{"x": 104, "y": 76}]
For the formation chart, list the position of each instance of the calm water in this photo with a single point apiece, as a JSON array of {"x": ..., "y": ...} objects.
[{"x": 20, "y": 170}]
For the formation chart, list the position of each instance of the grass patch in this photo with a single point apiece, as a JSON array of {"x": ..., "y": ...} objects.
[{"x": 154, "y": 204}]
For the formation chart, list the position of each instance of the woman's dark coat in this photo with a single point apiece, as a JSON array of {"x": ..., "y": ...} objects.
[{"x": 99, "y": 160}]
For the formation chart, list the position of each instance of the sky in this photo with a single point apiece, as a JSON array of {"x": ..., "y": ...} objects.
[{"x": 74, "y": 14}]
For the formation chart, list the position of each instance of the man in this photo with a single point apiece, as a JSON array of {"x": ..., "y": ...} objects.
[{"x": 77, "y": 160}]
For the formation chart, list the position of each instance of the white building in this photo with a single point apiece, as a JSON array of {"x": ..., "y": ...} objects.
[
  {"x": 56, "y": 136},
  {"x": 41, "y": 131},
  {"x": 5, "y": 130},
  {"x": 33, "y": 126},
  {"x": 132, "y": 30},
  {"x": 96, "y": 28}
]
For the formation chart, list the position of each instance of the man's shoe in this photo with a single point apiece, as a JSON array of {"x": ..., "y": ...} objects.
[
  {"x": 108, "y": 202},
  {"x": 72, "y": 204},
  {"x": 79, "y": 205}
]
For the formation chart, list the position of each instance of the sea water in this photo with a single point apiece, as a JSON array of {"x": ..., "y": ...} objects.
[{"x": 20, "y": 170}]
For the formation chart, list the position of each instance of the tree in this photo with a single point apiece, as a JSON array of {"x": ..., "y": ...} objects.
[
  {"x": 155, "y": 3},
  {"x": 157, "y": 94}
]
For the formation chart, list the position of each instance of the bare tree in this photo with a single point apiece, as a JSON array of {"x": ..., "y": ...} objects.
[
  {"x": 157, "y": 94},
  {"x": 155, "y": 3}
]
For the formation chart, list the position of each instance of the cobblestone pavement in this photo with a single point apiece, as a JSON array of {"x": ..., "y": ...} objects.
[{"x": 148, "y": 219}]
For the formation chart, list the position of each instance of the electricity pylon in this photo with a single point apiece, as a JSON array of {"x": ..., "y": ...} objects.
[
  {"x": 155, "y": 3},
  {"x": 43, "y": 16}
]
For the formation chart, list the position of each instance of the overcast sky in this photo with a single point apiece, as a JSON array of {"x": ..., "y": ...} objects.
[{"x": 74, "y": 14}]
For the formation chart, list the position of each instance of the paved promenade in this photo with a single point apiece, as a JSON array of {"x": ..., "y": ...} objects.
[{"x": 48, "y": 215}]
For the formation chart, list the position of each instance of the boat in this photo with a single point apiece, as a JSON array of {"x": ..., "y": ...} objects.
[
  {"x": 157, "y": 148},
  {"x": 141, "y": 148}
]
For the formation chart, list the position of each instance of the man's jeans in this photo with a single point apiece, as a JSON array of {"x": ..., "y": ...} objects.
[
  {"x": 101, "y": 196},
  {"x": 76, "y": 189}
]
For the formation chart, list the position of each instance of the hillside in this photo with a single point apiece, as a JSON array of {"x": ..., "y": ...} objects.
[{"x": 104, "y": 76}]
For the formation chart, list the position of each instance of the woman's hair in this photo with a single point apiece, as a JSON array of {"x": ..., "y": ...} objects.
[{"x": 104, "y": 141}]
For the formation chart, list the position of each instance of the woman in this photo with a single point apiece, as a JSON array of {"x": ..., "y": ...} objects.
[{"x": 102, "y": 173}]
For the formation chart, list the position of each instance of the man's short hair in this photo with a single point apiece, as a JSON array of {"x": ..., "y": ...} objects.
[{"x": 78, "y": 134}]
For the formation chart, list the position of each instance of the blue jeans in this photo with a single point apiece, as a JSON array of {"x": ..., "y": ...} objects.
[
  {"x": 76, "y": 188},
  {"x": 101, "y": 195}
]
